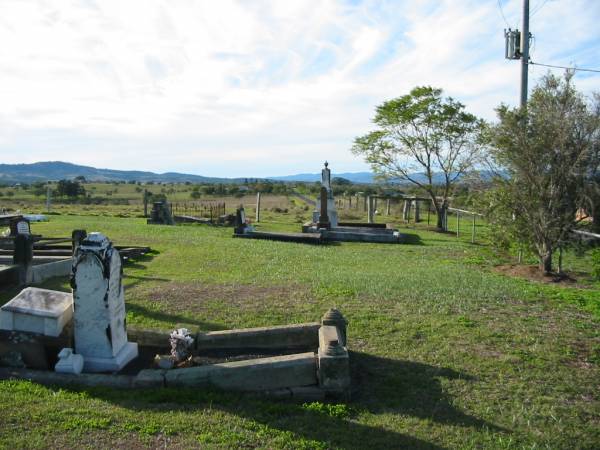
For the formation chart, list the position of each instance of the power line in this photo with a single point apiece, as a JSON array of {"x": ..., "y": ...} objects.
[
  {"x": 502, "y": 13},
  {"x": 564, "y": 67},
  {"x": 539, "y": 7}
]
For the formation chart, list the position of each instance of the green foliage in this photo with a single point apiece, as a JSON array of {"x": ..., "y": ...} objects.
[
  {"x": 70, "y": 188},
  {"x": 423, "y": 133},
  {"x": 333, "y": 410},
  {"x": 548, "y": 152},
  {"x": 596, "y": 263}
]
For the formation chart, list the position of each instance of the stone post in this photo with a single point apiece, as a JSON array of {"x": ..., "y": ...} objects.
[
  {"x": 257, "y": 207},
  {"x": 387, "y": 207},
  {"x": 333, "y": 363},
  {"x": 145, "y": 202},
  {"x": 323, "y": 217},
  {"x": 334, "y": 317},
  {"x": 417, "y": 211},
  {"x": 370, "y": 209},
  {"x": 23, "y": 257},
  {"x": 48, "y": 198}
]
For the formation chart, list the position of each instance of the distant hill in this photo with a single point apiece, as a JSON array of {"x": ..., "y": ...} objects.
[
  {"x": 56, "y": 170},
  {"x": 355, "y": 177}
]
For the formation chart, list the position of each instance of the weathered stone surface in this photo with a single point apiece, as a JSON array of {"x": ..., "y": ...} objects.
[
  {"x": 100, "y": 334},
  {"x": 47, "y": 377},
  {"x": 357, "y": 236},
  {"x": 37, "y": 311},
  {"x": 43, "y": 272},
  {"x": 149, "y": 338},
  {"x": 250, "y": 375},
  {"x": 334, "y": 367},
  {"x": 334, "y": 317},
  {"x": 292, "y": 337},
  {"x": 150, "y": 378},
  {"x": 69, "y": 362},
  {"x": 31, "y": 348}
]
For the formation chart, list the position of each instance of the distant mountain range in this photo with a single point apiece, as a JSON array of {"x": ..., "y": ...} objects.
[
  {"x": 56, "y": 170},
  {"x": 355, "y": 177}
]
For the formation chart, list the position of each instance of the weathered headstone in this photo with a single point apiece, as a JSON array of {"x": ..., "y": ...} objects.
[
  {"x": 240, "y": 226},
  {"x": 161, "y": 214},
  {"x": 98, "y": 296},
  {"x": 19, "y": 225}
]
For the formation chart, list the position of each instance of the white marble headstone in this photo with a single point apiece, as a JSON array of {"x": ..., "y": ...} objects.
[{"x": 100, "y": 328}]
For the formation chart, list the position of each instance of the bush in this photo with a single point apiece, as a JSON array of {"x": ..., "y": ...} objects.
[{"x": 596, "y": 263}]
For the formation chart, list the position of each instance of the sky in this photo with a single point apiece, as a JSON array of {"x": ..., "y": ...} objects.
[{"x": 255, "y": 88}]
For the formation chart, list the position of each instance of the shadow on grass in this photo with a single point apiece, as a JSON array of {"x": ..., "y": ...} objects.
[
  {"x": 263, "y": 415},
  {"x": 411, "y": 239},
  {"x": 382, "y": 387},
  {"x": 130, "y": 281},
  {"x": 409, "y": 388},
  {"x": 152, "y": 314}
]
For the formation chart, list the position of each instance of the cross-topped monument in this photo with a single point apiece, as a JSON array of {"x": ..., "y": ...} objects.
[{"x": 331, "y": 211}]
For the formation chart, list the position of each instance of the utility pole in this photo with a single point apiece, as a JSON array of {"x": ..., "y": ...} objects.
[{"x": 524, "y": 53}]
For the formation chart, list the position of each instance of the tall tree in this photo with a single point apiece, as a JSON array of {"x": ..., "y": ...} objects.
[
  {"x": 549, "y": 151},
  {"x": 422, "y": 137}
]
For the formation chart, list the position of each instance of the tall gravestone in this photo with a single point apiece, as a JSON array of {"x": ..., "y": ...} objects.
[
  {"x": 331, "y": 209},
  {"x": 99, "y": 306}
]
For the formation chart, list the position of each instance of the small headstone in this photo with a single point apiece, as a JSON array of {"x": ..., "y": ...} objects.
[{"x": 23, "y": 227}]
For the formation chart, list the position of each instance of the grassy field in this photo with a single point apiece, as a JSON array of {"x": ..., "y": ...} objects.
[{"x": 445, "y": 351}]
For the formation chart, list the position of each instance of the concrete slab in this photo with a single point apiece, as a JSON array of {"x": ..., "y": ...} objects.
[
  {"x": 261, "y": 374},
  {"x": 37, "y": 311},
  {"x": 292, "y": 337}
]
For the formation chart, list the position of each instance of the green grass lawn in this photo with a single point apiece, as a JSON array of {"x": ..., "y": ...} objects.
[{"x": 445, "y": 352}]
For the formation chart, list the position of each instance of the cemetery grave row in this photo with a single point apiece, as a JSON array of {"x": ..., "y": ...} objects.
[{"x": 84, "y": 337}]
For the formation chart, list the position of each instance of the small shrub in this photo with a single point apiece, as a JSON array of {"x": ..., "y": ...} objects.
[{"x": 596, "y": 263}]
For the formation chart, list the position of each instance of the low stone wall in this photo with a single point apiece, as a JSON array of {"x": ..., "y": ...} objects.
[
  {"x": 42, "y": 272},
  {"x": 297, "y": 337}
]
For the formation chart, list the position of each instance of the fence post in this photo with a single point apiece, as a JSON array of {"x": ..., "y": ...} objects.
[
  {"x": 145, "y": 202},
  {"x": 428, "y": 212},
  {"x": 387, "y": 207},
  {"x": 457, "y": 223},
  {"x": 257, "y": 207},
  {"x": 473, "y": 231},
  {"x": 370, "y": 209}
]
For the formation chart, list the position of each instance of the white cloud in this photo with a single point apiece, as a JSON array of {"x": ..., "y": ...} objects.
[{"x": 238, "y": 88}]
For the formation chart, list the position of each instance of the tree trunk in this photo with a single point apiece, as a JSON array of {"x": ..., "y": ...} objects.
[
  {"x": 441, "y": 215},
  {"x": 545, "y": 257},
  {"x": 596, "y": 218}
]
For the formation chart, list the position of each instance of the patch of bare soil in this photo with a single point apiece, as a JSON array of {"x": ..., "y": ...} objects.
[
  {"x": 533, "y": 273},
  {"x": 196, "y": 297}
]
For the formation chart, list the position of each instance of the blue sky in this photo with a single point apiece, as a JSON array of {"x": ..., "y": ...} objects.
[{"x": 254, "y": 88}]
